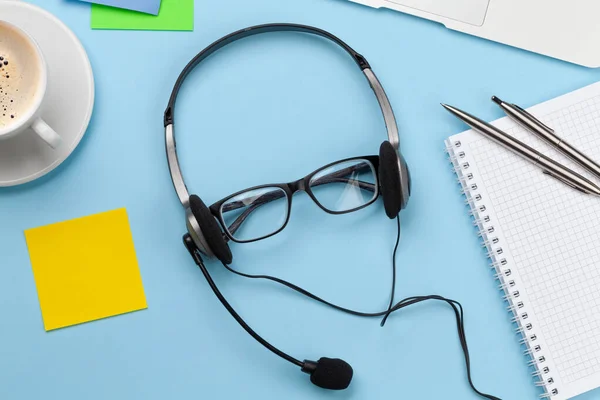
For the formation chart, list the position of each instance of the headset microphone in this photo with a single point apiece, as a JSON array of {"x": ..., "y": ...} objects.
[{"x": 327, "y": 373}]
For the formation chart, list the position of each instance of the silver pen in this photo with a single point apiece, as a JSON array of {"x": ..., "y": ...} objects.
[
  {"x": 548, "y": 165},
  {"x": 547, "y": 134}
]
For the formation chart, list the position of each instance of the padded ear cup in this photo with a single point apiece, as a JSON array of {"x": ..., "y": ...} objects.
[
  {"x": 210, "y": 229},
  {"x": 390, "y": 179}
]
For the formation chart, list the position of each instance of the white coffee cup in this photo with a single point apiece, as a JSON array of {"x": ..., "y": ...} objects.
[{"x": 32, "y": 80}]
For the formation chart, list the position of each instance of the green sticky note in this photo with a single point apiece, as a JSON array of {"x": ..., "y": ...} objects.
[{"x": 174, "y": 15}]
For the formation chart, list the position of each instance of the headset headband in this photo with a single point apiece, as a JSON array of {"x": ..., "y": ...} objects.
[{"x": 169, "y": 119}]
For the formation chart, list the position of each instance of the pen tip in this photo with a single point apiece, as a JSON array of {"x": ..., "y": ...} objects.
[
  {"x": 450, "y": 109},
  {"x": 496, "y": 100}
]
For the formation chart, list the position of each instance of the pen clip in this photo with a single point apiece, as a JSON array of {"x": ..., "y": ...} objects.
[
  {"x": 543, "y": 125},
  {"x": 558, "y": 178}
]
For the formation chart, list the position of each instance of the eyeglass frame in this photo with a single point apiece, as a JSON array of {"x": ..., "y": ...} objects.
[{"x": 290, "y": 188}]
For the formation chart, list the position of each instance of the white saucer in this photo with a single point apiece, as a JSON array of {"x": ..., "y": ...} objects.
[{"x": 70, "y": 99}]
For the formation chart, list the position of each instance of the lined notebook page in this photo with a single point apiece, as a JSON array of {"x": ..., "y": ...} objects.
[{"x": 550, "y": 235}]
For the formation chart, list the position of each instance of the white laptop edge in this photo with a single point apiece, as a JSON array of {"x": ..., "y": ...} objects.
[{"x": 567, "y": 31}]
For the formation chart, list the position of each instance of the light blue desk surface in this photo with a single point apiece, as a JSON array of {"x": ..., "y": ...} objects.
[{"x": 271, "y": 109}]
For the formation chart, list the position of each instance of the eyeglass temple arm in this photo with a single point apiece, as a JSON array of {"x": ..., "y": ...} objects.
[{"x": 277, "y": 194}]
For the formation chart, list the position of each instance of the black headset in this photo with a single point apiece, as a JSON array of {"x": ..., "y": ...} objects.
[
  {"x": 205, "y": 236},
  {"x": 201, "y": 223}
]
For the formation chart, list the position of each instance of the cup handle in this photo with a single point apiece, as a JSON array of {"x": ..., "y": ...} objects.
[{"x": 46, "y": 133}]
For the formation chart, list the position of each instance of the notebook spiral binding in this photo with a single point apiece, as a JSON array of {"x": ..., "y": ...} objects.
[{"x": 467, "y": 179}]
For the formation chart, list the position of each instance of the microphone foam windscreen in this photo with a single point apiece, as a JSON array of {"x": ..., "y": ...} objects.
[{"x": 332, "y": 373}]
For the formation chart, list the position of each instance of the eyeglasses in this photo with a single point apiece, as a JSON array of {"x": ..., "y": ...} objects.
[{"x": 262, "y": 211}]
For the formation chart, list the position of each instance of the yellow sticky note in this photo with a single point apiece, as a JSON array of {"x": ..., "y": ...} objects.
[{"x": 85, "y": 269}]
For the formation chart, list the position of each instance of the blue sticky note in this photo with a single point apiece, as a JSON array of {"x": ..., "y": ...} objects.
[{"x": 145, "y": 6}]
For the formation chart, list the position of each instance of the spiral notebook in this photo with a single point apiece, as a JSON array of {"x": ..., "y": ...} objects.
[{"x": 543, "y": 240}]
